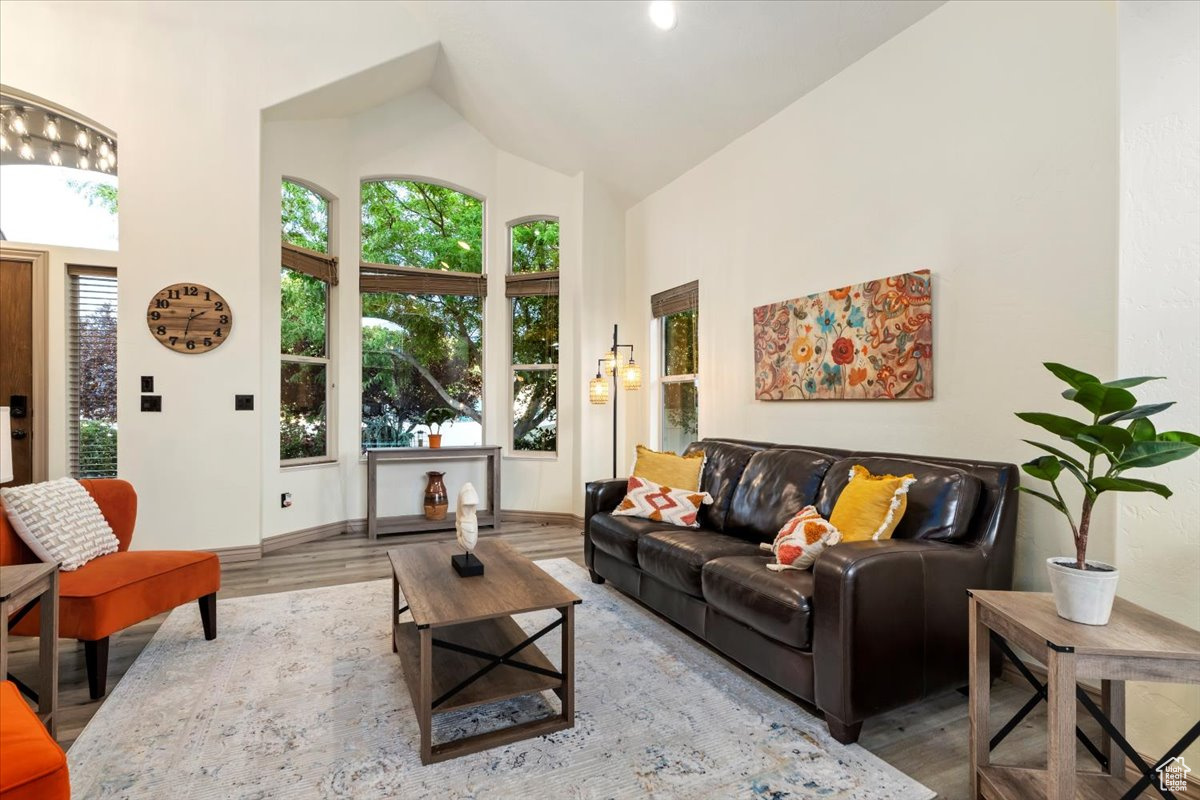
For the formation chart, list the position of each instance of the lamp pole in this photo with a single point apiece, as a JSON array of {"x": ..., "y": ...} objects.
[
  {"x": 615, "y": 394},
  {"x": 628, "y": 376}
]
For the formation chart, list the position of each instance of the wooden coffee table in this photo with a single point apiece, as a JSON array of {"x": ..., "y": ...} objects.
[{"x": 483, "y": 656}]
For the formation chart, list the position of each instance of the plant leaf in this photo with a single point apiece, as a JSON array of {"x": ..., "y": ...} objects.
[
  {"x": 1129, "y": 485},
  {"x": 1051, "y": 500},
  {"x": 1142, "y": 430},
  {"x": 1137, "y": 412},
  {"x": 1094, "y": 446},
  {"x": 1125, "y": 383},
  {"x": 1152, "y": 454},
  {"x": 1179, "y": 436},
  {"x": 1046, "y": 468},
  {"x": 1113, "y": 438},
  {"x": 1059, "y": 426},
  {"x": 1100, "y": 399},
  {"x": 1075, "y": 377},
  {"x": 1056, "y": 452}
]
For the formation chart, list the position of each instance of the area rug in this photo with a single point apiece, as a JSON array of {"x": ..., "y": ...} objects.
[{"x": 300, "y": 696}]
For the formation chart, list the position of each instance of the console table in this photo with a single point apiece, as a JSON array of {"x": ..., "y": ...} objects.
[
  {"x": 22, "y": 586},
  {"x": 1136, "y": 645},
  {"x": 414, "y": 523}
]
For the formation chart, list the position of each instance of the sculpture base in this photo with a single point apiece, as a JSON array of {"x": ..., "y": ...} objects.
[{"x": 467, "y": 565}]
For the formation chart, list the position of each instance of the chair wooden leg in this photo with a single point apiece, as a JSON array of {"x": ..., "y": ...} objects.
[
  {"x": 846, "y": 733},
  {"x": 208, "y": 615},
  {"x": 95, "y": 657}
]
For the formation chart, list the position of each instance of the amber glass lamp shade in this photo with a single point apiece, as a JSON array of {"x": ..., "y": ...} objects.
[
  {"x": 631, "y": 375},
  {"x": 598, "y": 390}
]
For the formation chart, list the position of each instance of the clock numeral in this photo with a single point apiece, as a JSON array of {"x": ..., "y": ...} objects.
[
  {"x": 219, "y": 306},
  {"x": 191, "y": 291},
  {"x": 218, "y": 333},
  {"x": 174, "y": 340},
  {"x": 207, "y": 342},
  {"x": 172, "y": 294},
  {"x": 224, "y": 319},
  {"x": 161, "y": 330},
  {"x": 162, "y": 304},
  {"x": 191, "y": 344},
  {"x": 208, "y": 295},
  {"x": 154, "y": 315}
]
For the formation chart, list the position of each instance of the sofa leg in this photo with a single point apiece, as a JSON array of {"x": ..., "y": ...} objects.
[
  {"x": 596, "y": 578},
  {"x": 843, "y": 732},
  {"x": 95, "y": 657},
  {"x": 208, "y": 615}
]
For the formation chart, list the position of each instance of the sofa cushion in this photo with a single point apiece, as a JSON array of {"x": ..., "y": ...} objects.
[
  {"x": 722, "y": 471},
  {"x": 775, "y": 486},
  {"x": 776, "y": 604},
  {"x": 676, "y": 557},
  {"x": 618, "y": 536},
  {"x": 112, "y": 592},
  {"x": 940, "y": 503},
  {"x": 33, "y": 766}
]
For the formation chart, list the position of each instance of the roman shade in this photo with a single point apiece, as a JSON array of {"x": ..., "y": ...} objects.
[
  {"x": 321, "y": 266},
  {"x": 531, "y": 284},
  {"x": 672, "y": 301},
  {"x": 415, "y": 280}
]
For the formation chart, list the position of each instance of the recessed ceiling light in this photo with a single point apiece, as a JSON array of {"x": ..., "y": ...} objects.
[{"x": 662, "y": 14}]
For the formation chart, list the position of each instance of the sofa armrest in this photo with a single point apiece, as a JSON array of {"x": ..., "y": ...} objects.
[
  {"x": 599, "y": 497},
  {"x": 890, "y": 623}
]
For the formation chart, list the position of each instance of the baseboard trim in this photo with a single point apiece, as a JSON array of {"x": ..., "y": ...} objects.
[
  {"x": 540, "y": 517},
  {"x": 314, "y": 534},
  {"x": 1011, "y": 674},
  {"x": 232, "y": 555}
]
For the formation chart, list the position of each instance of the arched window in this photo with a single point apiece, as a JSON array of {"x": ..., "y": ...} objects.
[
  {"x": 532, "y": 289},
  {"x": 58, "y": 176},
  {"x": 423, "y": 291},
  {"x": 307, "y": 276}
]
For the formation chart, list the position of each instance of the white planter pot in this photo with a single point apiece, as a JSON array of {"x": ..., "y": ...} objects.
[{"x": 1083, "y": 595}]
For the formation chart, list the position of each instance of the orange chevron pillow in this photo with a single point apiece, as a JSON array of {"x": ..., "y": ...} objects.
[
  {"x": 650, "y": 500},
  {"x": 801, "y": 539}
]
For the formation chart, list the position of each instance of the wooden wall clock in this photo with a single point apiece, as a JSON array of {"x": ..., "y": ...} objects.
[{"x": 189, "y": 318}]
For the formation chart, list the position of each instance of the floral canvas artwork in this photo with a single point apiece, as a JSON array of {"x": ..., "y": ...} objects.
[{"x": 870, "y": 341}]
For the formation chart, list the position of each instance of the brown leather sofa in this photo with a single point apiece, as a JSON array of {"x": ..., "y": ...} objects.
[{"x": 874, "y": 625}]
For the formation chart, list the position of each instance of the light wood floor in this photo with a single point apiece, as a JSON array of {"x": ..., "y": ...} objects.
[{"x": 928, "y": 741}]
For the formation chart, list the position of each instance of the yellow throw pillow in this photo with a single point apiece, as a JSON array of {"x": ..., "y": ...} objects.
[
  {"x": 870, "y": 506},
  {"x": 668, "y": 469}
]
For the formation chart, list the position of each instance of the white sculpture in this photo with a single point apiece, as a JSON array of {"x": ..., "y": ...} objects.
[{"x": 466, "y": 523}]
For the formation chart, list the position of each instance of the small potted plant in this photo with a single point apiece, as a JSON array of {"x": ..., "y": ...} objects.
[
  {"x": 1118, "y": 438},
  {"x": 435, "y": 420}
]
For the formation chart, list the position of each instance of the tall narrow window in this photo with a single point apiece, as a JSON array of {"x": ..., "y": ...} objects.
[
  {"x": 677, "y": 313},
  {"x": 532, "y": 289},
  {"x": 423, "y": 289},
  {"x": 92, "y": 372},
  {"x": 306, "y": 276}
]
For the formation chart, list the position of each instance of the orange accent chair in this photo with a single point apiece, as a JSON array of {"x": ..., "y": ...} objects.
[
  {"x": 112, "y": 592},
  {"x": 33, "y": 766}
]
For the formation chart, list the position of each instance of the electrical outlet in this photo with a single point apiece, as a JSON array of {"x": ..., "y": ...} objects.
[
  {"x": 147, "y": 383},
  {"x": 285, "y": 500},
  {"x": 243, "y": 402},
  {"x": 151, "y": 402}
]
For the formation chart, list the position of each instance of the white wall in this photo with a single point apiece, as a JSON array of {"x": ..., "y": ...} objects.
[
  {"x": 979, "y": 143},
  {"x": 1158, "y": 542},
  {"x": 415, "y": 136}
]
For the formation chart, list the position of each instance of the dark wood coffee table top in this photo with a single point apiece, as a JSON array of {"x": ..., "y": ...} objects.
[{"x": 436, "y": 595}]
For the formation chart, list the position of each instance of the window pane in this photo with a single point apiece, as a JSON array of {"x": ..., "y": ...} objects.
[
  {"x": 680, "y": 412},
  {"x": 679, "y": 343},
  {"x": 410, "y": 224},
  {"x": 303, "y": 314},
  {"x": 58, "y": 205},
  {"x": 421, "y": 352},
  {"x": 535, "y": 246},
  {"x": 302, "y": 422},
  {"x": 535, "y": 329},
  {"x": 93, "y": 376},
  {"x": 305, "y": 217},
  {"x": 535, "y": 410}
]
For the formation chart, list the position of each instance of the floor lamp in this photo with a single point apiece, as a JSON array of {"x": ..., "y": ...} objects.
[{"x": 627, "y": 374}]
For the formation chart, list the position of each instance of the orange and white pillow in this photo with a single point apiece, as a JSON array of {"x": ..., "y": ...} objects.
[
  {"x": 650, "y": 500},
  {"x": 801, "y": 539}
]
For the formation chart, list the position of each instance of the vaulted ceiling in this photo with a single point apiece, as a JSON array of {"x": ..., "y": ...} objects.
[{"x": 594, "y": 86}]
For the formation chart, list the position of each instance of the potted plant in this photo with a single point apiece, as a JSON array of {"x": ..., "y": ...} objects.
[
  {"x": 435, "y": 420},
  {"x": 1118, "y": 438}
]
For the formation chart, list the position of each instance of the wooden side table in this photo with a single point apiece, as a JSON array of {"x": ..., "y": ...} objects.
[
  {"x": 21, "y": 587},
  {"x": 1135, "y": 645}
]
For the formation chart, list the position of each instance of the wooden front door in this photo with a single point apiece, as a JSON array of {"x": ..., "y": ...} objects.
[{"x": 16, "y": 361}]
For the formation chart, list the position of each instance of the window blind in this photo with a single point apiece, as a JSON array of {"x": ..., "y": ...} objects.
[
  {"x": 415, "y": 280},
  {"x": 672, "y": 301},
  {"x": 92, "y": 372},
  {"x": 319, "y": 265},
  {"x": 531, "y": 284}
]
